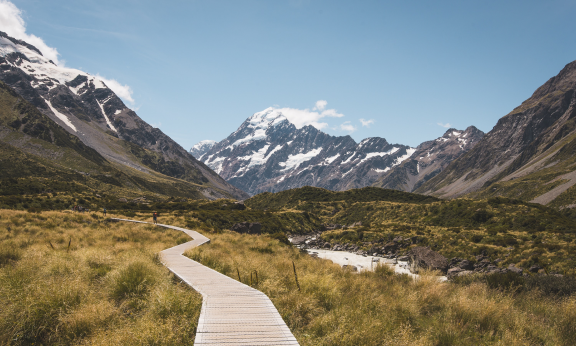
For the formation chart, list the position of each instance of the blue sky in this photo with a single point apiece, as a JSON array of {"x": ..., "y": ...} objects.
[{"x": 198, "y": 69}]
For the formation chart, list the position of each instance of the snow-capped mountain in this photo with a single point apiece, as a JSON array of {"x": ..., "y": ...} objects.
[
  {"x": 429, "y": 159},
  {"x": 269, "y": 153},
  {"x": 201, "y": 148},
  {"x": 85, "y": 106}
]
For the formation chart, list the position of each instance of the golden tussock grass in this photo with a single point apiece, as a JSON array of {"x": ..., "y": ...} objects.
[
  {"x": 339, "y": 307},
  {"x": 108, "y": 287}
]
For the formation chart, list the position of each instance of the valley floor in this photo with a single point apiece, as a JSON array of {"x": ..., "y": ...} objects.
[{"x": 108, "y": 287}]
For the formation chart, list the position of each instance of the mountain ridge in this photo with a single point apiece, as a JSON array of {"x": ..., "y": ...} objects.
[
  {"x": 521, "y": 157},
  {"x": 84, "y": 106},
  {"x": 268, "y": 153}
]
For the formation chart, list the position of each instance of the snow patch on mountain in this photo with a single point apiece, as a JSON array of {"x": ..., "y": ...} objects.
[
  {"x": 199, "y": 149},
  {"x": 371, "y": 155},
  {"x": 259, "y": 157},
  {"x": 331, "y": 159},
  {"x": 61, "y": 116},
  {"x": 295, "y": 160},
  {"x": 403, "y": 158},
  {"x": 106, "y": 117}
]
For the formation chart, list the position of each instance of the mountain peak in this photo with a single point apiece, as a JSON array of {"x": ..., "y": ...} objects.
[
  {"x": 200, "y": 148},
  {"x": 20, "y": 42},
  {"x": 266, "y": 118}
]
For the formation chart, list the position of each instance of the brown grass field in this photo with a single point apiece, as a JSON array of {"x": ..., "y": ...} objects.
[{"x": 109, "y": 287}]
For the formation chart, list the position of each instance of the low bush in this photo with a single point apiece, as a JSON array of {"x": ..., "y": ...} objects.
[
  {"x": 135, "y": 279},
  {"x": 281, "y": 237},
  {"x": 9, "y": 253},
  {"x": 552, "y": 285}
]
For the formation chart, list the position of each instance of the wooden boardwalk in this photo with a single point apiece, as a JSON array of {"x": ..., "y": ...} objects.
[{"x": 232, "y": 313}]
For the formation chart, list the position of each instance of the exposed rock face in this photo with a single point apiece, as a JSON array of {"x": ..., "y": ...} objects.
[
  {"x": 429, "y": 159},
  {"x": 84, "y": 106},
  {"x": 247, "y": 227},
  {"x": 531, "y": 146},
  {"x": 268, "y": 153},
  {"x": 425, "y": 258}
]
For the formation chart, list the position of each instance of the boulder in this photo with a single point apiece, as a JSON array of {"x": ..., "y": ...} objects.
[
  {"x": 466, "y": 265},
  {"x": 426, "y": 258},
  {"x": 122, "y": 200},
  {"x": 247, "y": 227},
  {"x": 452, "y": 272},
  {"x": 390, "y": 247},
  {"x": 298, "y": 240},
  {"x": 514, "y": 269}
]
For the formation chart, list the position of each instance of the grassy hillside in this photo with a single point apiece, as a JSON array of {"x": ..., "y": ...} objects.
[
  {"x": 295, "y": 197},
  {"x": 37, "y": 155}
]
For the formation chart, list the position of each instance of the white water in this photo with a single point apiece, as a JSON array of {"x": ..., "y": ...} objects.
[{"x": 365, "y": 263}]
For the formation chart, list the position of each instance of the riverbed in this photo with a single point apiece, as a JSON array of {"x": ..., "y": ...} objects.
[{"x": 364, "y": 262}]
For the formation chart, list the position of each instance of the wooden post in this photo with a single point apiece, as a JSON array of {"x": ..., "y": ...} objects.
[
  {"x": 256, "y": 272},
  {"x": 69, "y": 242},
  {"x": 238, "y": 272},
  {"x": 52, "y": 246},
  {"x": 295, "y": 275},
  {"x": 250, "y": 279}
]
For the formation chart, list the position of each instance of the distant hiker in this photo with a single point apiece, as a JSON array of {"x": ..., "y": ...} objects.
[
  {"x": 104, "y": 211},
  {"x": 155, "y": 217}
]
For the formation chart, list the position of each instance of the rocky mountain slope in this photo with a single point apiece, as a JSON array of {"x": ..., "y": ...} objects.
[
  {"x": 268, "y": 154},
  {"x": 86, "y": 108},
  {"x": 201, "y": 148},
  {"x": 529, "y": 154},
  {"x": 429, "y": 159}
]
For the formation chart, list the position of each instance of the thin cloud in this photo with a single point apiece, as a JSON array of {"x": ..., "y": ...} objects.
[
  {"x": 123, "y": 91},
  {"x": 320, "y": 105},
  {"x": 447, "y": 125},
  {"x": 303, "y": 117},
  {"x": 348, "y": 127},
  {"x": 366, "y": 123},
  {"x": 12, "y": 23}
]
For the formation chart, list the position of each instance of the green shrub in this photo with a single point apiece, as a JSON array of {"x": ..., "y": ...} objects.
[
  {"x": 552, "y": 285},
  {"x": 281, "y": 237},
  {"x": 504, "y": 281}
]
